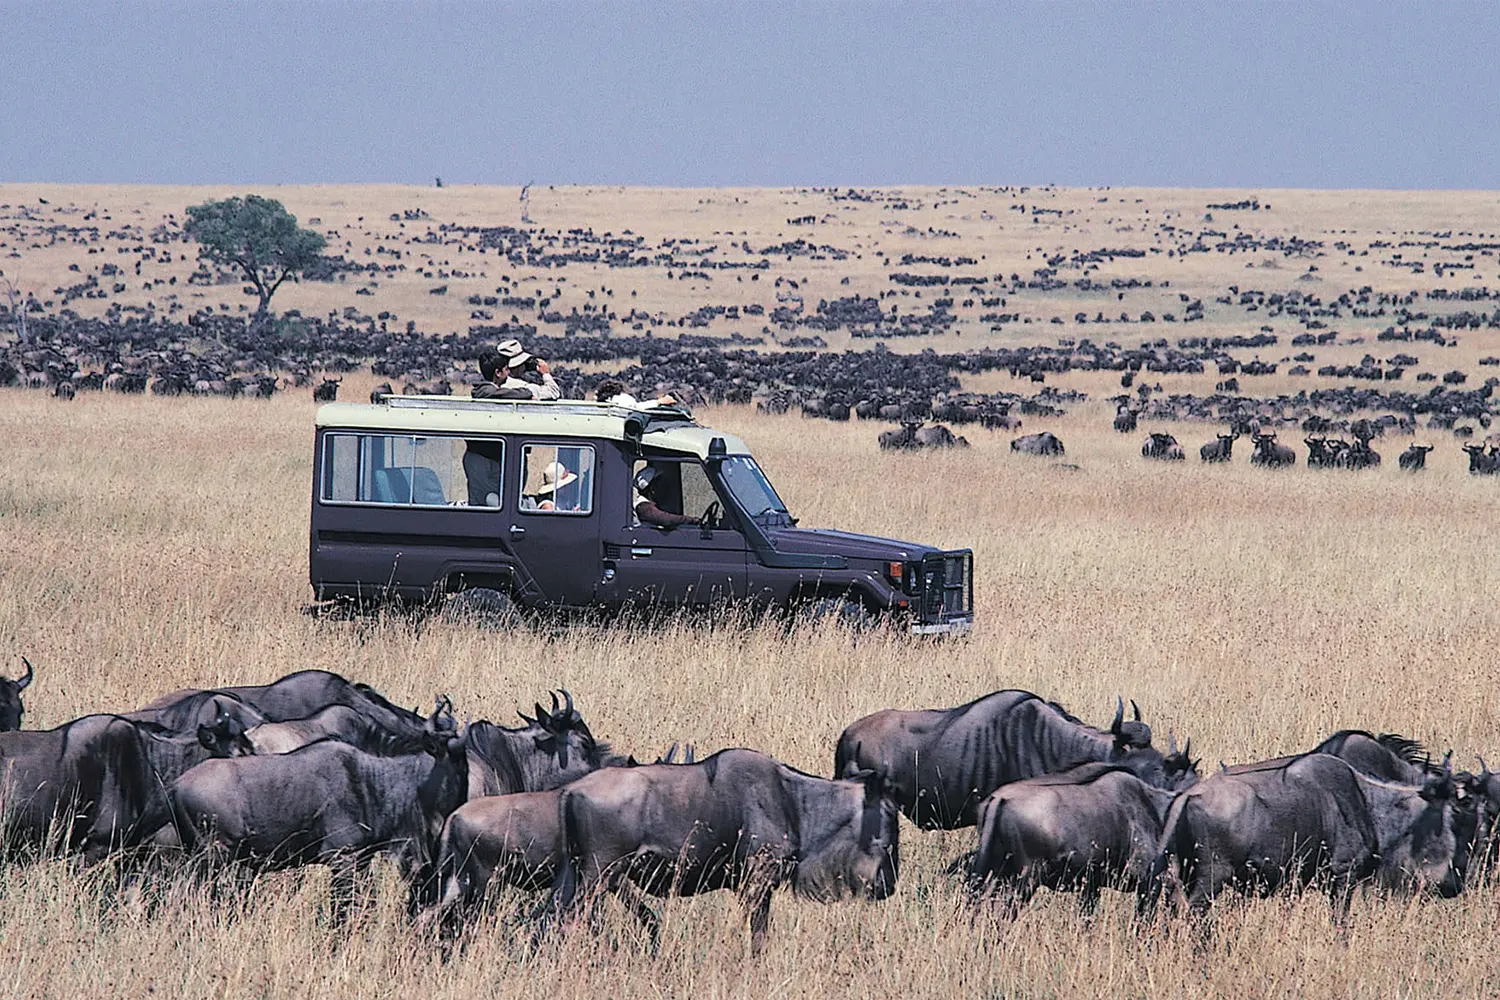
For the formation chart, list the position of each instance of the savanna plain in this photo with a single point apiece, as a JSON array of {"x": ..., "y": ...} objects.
[{"x": 149, "y": 544}]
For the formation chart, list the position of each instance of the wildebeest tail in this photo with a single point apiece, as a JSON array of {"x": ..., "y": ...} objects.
[
  {"x": 845, "y": 757},
  {"x": 565, "y": 862}
]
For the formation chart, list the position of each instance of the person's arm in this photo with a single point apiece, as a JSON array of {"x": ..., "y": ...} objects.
[
  {"x": 549, "y": 388},
  {"x": 650, "y": 513}
]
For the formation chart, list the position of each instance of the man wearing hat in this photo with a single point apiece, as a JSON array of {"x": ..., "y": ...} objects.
[
  {"x": 501, "y": 368},
  {"x": 546, "y": 497}
]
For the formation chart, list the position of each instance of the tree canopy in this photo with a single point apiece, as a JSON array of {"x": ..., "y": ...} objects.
[{"x": 258, "y": 236}]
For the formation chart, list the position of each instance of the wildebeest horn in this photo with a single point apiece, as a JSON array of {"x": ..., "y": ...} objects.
[
  {"x": 222, "y": 715},
  {"x": 568, "y": 702},
  {"x": 30, "y": 672},
  {"x": 1136, "y": 709},
  {"x": 1114, "y": 727},
  {"x": 542, "y": 718},
  {"x": 1171, "y": 742},
  {"x": 555, "y": 706},
  {"x": 1484, "y": 769}
]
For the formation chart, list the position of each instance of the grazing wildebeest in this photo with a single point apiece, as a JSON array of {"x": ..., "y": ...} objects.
[
  {"x": 337, "y": 722},
  {"x": 552, "y": 749},
  {"x": 903, "y": 439},
  {"x": 11, "y": 709},
  {"x": 1270, "y": 454},
  {"x": 938, "y": 436},
  {"x": 1291, "y": 822},
  {"x": 381, "y": 391},
  {"x": 1414, "y": 458},
  {"x": 295, "y": 696},
  {"x": 1043, "y": 443},
  {"x": 1219, "y": 450},
  {"x": 738, "y": 820},
  {"x": 1094, "y": 826},
  {"x": 942, "y": 762},
  {"x": 1162, "y": 446},
  {"x": 1125, "y": 419},
  {"x": 327, "y": 391},
  {"x": 326, "y": 803},
  {"x": 502, "y": 840},
  {"x": 90, "y": 782}
]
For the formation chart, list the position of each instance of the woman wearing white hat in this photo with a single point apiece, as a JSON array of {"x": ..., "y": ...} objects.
[{"x": 554, "y": 477}]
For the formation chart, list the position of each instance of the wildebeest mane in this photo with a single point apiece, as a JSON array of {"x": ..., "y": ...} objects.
[
  {"x": 1083, "y": 774},
  {"x": 1407, "y": 749},
  {"x": 382, "y": 701}
]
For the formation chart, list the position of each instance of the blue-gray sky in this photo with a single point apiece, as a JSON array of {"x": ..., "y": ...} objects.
[{"x": 1353, "y": 94}]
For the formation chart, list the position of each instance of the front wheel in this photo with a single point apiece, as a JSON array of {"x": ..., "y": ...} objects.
[{"x": 847, "y": 612}]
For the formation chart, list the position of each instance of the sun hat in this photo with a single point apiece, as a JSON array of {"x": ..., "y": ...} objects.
[
  {"x": 555, "y": 476},
  {"x": 514, "y": 354}
]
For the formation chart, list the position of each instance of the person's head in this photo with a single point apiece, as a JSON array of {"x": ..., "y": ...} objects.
[
  {"x": 646, "y": 480},
  {"x": 493, "y": 366},
  {"x": 514, "y": 354},
  {"x": 609, "y": 389}
]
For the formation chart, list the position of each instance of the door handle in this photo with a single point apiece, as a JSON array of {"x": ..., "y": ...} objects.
[{"x": 516, "y": 531}]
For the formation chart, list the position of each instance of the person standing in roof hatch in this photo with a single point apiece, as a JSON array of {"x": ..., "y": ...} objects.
[{"x": 517, "y": 362}]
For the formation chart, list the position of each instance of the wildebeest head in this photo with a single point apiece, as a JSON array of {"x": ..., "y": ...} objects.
[
  {"x": 1180, "y": 767},
  {"x": 859, "y": 852},
  {"x": 564, "y": 735},
  {"x": 1129, "y": 734},
  {"x": 225, "y": 736},
  {"x": 11, "y": 708},
  {"x": 1441, "y": 853}
]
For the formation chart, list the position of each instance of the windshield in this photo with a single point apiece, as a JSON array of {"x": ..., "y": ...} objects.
[{"x": 751, "y": 490}]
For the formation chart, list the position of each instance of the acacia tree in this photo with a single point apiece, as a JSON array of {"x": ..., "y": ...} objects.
[{"x": 258, "y": 236}]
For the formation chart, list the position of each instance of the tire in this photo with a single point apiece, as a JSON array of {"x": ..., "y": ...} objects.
[
  {"x": 846, "y": 612},
  {"x": 479, "y": 606}
]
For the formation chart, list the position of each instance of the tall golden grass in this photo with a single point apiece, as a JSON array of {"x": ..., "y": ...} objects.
[{"x": 150, "y": 544}]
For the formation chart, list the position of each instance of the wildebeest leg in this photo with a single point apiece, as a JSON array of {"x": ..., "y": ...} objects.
[
  {"x": 1008, "y": 895},
  {"x": 634, "y": 899},
  {"x": 1088, "y": 894},
  {"x": 1340, "y": 894},
  {"x": 347, "y": 870}
]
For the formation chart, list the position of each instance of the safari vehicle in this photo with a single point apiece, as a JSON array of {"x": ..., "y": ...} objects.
[{"x": 489, "y": 504}]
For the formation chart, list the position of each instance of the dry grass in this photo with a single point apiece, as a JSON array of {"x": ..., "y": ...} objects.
[
  {"x": 152, "y": 544},
  {"x": 149, "y": 544}
]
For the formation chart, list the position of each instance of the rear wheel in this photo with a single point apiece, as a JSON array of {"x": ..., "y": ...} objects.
[{"x": 479, "y": 606}]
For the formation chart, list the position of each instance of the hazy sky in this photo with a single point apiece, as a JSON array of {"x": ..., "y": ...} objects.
[{"x": 1358, "y": 94}]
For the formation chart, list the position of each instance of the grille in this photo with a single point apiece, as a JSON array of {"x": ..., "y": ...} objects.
[{"x": 947, "y": 586}]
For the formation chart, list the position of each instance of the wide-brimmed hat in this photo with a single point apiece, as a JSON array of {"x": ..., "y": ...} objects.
[
  {"x": 514, "y": 354},
  {"x": 555, "y": 476}
]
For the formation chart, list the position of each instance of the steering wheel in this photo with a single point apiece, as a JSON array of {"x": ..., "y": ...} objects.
[{"x": 710, "y": 517}]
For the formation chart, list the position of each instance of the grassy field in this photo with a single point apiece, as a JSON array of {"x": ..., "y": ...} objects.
[{"x": 148, "y": 544}]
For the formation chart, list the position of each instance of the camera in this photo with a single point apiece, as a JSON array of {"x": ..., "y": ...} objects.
[{"x": 530, "y": 364}]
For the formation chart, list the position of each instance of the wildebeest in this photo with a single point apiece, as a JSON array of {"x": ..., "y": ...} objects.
[
  {"x": 327, "y": 391},
  {"x": 1043, "y": 443},
  {"x": 738, "y": 820},
  {"x": 1162, "y": 446},
  {"x": 1125, "y": 419},
  {"x": 1096, "y": 825},
  {"x": 552, "y": 749},
  {"x": 338, "y": 722},
  {"x": 938, "y": 436},
  {"x": 295, "y": 696},
  {"x": 89, "y": 782},
  {"x": 1414, "y": 458},
  {"x": 1219, "y": 450},
  {"x": 11, "y": 709},
  {"x": 325, "y": 803},
  {"x": 381, "y": 391},
  {"x": 905, "y": 438},
  {"x": 1483, "y": 460},
  {"x": 501, "y": 840},
  {"x": 943, "y": 762},
  {"x": 65, "y": 391},
  {"x": 1270, "y": 454},
  {"x": 1291, "y": 822}
]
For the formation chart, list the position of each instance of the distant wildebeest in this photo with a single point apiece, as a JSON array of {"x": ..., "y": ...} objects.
[
  {"x": 1094, "y": 826},
  {"x": 903, "y": 439},
  {"x": 381, "y": 391},
  {"x": 65, "y": 391},
  {"x": 938, "y": 436},
  {"x": 1162, "y": 446},
  {"x": 501, "y": 840},
  {"x": 738, "y": 820},
  {"x": 90, "y": 782},
  {"x": 1044, "y": 443},
  {"x": 943, "y": 762},
  {"x": 327, "y": 391},
  {"x": 1414, "y": 458},
  {"x": 1125, "y": 419},
  {"x": 1270, "y": 454},
  {"x": 1219, "y": 450},
  {"x": 325, "y": 803},
  {"x": 1310, "y": 818},
  {"x": 11, "y": 709}
]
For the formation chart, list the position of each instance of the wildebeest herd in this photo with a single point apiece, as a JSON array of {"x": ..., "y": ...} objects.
[{"x": 315, "y": 769}]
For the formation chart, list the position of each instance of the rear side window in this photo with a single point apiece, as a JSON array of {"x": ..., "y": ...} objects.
[
  {"x": 557, "y": 479},
  {"x": 411, "y": 471}
]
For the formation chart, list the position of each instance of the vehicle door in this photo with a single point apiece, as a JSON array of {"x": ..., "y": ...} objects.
[
  {"x": 685, "y": 565},
  {"x": 555, "y": 528}
]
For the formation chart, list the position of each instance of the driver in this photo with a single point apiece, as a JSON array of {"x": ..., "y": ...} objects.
[{"x": 646, "y": 507}]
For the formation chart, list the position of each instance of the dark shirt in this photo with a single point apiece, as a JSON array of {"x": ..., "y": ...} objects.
[{"x": 489, "y": 390}]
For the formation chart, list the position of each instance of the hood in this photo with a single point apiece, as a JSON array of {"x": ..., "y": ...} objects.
[{"x": 824, "y": 541}]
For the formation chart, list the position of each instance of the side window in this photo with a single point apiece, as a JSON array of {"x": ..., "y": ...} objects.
[
  {"x": 697, "y": 491},
  {"x": 557, "y": 479},
  {"x": 410, "y": 471},
  {"x": 679, "y": 487}
]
